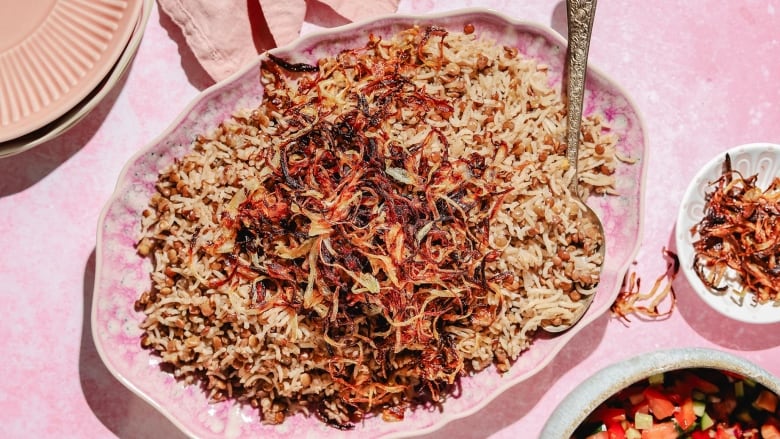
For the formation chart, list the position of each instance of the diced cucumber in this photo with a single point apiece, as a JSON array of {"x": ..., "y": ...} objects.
[
  {"x": 706, "y": 421},
  {"x": 633, "y": 433},
  {"x": 656, "y": 379},
  {"x": 643, "y": 421},
  {"x": 698, "y": 408},
  {"x": 739, "y": 389}
]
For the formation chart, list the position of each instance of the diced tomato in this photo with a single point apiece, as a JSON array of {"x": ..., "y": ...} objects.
[
  {"x": 701, "y": 384},
  {"x": 599, "y": 435},
  {"x": 609, "y": 415},
  {"x": 766, "y": 401},
  {"x": 685, "y": 417},
  {"x": 615, "y": 431},
  {"x": 681, "y": 387},
  {"x": 664, "y": 430},
  {"x": 642, "y": 407},
  {"x": 734, "y": 375},
  {"x": 723, "y": 408},
  {"x": 660, "y": 405},
  {"x": 678, "y": 391},
  {"x": 636, "y": 396},
  {"x": 723, "y": 433},
  {"x": 770, "y": 431},
  {"x": 698, "y": 434}
]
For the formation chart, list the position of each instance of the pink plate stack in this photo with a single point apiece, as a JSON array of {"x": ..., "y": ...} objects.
[{"x": 58, "y": 59}]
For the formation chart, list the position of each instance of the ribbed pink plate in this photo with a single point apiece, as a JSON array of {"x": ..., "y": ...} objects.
[{"x": 53, "y": 53}]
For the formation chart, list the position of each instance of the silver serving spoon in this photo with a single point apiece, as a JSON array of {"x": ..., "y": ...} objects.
[{"x": 580, "y": 23}]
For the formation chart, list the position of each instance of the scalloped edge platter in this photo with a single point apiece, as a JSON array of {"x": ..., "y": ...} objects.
[{"x": 121, "y": 274}]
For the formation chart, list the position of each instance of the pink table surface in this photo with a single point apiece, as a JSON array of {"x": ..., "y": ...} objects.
[{"x": 705, "y": 75}]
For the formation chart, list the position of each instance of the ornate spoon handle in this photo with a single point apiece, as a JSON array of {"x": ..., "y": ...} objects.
[
  {"x": 580, "y": 13},
  {"x": 580, "y": 22}
]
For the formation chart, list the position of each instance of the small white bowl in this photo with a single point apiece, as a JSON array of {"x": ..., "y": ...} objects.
[
  {"x": 754, "y": 158},
  {"x": 586, "y": 397}
]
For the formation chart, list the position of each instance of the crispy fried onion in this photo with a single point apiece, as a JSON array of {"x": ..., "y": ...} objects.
[
  {"x": 376, "y": 243},
  {"x": 355, "y": 255},
  {"x": 631, "y": 300},
  {"x": 740, "y": 234}
]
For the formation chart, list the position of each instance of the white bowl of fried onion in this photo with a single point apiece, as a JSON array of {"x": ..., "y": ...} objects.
[
  {"x": 728, "y": 233},
  {"x": 226, "y": 371}
]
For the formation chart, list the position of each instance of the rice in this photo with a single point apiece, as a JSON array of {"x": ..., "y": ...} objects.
[{"x": 382, "y": 224}]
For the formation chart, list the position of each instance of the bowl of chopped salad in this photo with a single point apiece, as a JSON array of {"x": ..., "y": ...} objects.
[{"x": 695, "y": 393}]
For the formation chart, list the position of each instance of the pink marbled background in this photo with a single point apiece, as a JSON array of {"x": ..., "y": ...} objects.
[{"x": 704, "y": 74}]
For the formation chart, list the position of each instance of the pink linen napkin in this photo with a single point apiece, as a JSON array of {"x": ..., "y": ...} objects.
[{"x": 226, "y": 34}]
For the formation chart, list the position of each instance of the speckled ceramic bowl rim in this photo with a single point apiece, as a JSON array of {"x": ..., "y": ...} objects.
[
  {"x": 684, "y": 243},
  {"x": 563, "y": 338},
  {"x": 578, "y": 404}
]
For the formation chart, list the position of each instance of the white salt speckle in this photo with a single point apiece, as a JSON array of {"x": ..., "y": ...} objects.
[
  {"x": 140, "y": 363},
  {"x": 755, "y": 116},
  {"x": 652, "y": 96},
  {"x": 757, "y": 113},
  {"x": 765, "y": 72},
  {"x": 619, "y": 122},
  {"x": 234, "y": 423},
  {"x": 770, "y": 9},
  {"x": 211, "y": 420},
  {"x": 247, "y": 416},
  {"x": 179, "y": 390},
  {"x": 113, "y": 327},
  {"x": 130, "y": 328},
  {"x": 283, "y": 428}
]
